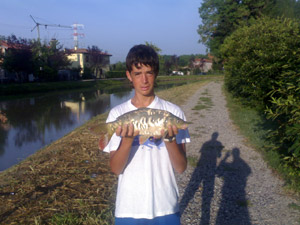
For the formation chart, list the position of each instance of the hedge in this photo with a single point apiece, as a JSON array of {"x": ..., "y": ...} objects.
[{"x": 262, "y": 67}]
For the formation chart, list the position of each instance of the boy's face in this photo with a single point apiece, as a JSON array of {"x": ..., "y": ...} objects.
[{"x": 142, "y": 78}]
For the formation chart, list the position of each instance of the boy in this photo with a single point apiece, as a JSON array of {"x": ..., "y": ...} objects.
[{"x": 147, "y": 191}]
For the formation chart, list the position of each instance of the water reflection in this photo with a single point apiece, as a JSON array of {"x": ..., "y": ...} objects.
[
  {"x": 33, "y": 123},
  {"x": 36, "y": 122}
]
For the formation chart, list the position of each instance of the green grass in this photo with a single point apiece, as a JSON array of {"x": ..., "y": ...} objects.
[
  {"x": 244, "y": 203},
  {"x": 294, "y": 206},
  {"x": 192, "y": 160},
  {"x": 203, "y": 103},
  {"x": 255, "y": 128},
  {"x": 200, "y": 107}
]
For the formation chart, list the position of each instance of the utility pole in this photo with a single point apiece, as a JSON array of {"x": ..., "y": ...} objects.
[{"x": 76, "y": 34}]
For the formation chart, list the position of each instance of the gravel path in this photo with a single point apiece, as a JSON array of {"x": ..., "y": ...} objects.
[{"x": 229, "y": 183}]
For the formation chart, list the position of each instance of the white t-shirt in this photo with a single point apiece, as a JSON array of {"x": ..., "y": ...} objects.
[{"x": 147, "y": 187}]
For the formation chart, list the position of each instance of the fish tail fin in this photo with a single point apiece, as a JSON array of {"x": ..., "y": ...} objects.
[
  {"x": 101, "y": 131},
  {"x": 103, "y": 141}
]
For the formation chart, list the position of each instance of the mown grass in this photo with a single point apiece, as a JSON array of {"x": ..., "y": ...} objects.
[
  {"x": 204, "y": 102},
  {"x": 255, "y": 127},
  {"x": 69, "y": 181}
]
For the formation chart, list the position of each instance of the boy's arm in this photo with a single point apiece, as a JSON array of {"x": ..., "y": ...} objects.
[
  {"x": 177, "y": 152},
  {"x": 118, "y": 159}
]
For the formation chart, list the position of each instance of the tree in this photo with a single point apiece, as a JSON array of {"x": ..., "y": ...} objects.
[
  {"x": 96, "y": 60},
  {"x": 48, "y": 59},
  {"x": 220, "y": 18},
  {"x": 162, "y": 69},
  {"x": 25, "y": 56},
  {"x": 157, "y": 49},
  {"x": 174, "y": 61},
  {"x": 168, "y": 66},
  {"x": 286, "y": 9},
  {"x": 119, "y": 66},
  {"x": 18, "y": 57}
]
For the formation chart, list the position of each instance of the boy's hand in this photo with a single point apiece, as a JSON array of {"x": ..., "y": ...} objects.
[
  {"x": 171, "y": 132},
  {"x": 127, "y": 130}
]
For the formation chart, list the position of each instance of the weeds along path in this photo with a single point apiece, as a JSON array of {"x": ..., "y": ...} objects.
[{"x": 227, "y": 182}]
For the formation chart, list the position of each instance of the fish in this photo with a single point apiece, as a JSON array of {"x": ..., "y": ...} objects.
[{"x": 149, "y": 122}]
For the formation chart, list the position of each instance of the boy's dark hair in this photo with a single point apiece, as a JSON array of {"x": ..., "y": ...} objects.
[{"x": 142, "y": 54}]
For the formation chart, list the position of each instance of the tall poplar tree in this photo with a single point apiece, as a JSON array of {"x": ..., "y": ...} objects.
[{"x": 221, "y": 17}]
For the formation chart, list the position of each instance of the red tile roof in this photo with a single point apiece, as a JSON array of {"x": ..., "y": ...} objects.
[
  {"x": 5, "y": 44},
  {"x": 203, "y": 60}
]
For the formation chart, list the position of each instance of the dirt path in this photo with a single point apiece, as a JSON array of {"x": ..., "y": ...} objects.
[{"x": 228, "y": 183}]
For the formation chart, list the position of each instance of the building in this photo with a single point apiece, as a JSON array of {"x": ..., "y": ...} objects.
[
  {"x": 204, "y": 65},
  {"x": 96, "y": 62}
]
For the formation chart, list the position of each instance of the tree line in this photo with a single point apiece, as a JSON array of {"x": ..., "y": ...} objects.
[
  {"x": 258, "y": 44},
  {"x": 26, "y": 56},
  {"x": 168, "y": 63},
  {"x": 44, "y": 60}
]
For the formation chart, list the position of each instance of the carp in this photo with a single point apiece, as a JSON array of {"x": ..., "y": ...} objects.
[{"x": 149, "y": 122}]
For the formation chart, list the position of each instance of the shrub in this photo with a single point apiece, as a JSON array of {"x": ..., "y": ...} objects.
[
  {"x": 262, "y": 66},
  {"x": 285, "y": 109},
  {"x": 257, "y": 55}
]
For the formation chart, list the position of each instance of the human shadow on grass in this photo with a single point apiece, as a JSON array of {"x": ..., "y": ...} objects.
[
  {"x": 203, "y": 178},
  {"x": 234, "y": 204}
]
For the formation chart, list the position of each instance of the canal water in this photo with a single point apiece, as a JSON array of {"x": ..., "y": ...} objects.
[
  {"x": 36, "y": 122},
  {"x": 33, "y": 123}
]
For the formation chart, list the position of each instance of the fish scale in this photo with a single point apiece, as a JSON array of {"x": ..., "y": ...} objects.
[{"x": 149, "y": 123}]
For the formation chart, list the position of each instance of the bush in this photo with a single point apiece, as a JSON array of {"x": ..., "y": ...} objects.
[
  {"x": 257, "y": 55},
  {"x": 262, "y": 66},
  {"x": 285, "y": 109}
]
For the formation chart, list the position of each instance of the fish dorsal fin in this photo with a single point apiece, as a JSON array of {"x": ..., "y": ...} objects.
[{"x": 143, "y": 139}]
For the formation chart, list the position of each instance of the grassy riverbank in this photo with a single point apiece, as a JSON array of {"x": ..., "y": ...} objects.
[
  {"x": 69, "y": 181},
  {"x": 8, "y": 91},
  {"x": 27, "y": 89}
]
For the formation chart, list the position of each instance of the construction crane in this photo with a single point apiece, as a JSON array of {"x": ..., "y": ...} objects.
[{"x": 37, "y": 26}]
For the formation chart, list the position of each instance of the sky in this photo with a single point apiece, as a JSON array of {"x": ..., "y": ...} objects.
[{"x": 112, "y": 25}]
